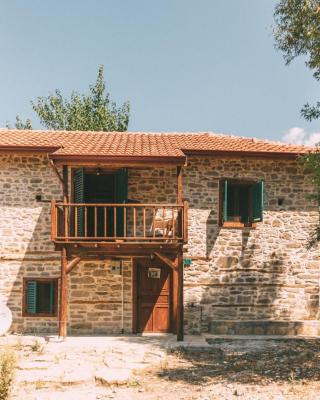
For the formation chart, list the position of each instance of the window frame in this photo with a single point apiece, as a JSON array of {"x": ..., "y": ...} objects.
[
  {"x": 235, "y": 224},
  {"x": 24, "y": 297}
]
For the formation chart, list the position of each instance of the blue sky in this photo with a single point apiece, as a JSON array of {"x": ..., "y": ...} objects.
[{"x": 184, "y": 65}]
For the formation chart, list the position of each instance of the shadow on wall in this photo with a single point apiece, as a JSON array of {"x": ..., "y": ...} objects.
[{"x": 257, "y": 281}]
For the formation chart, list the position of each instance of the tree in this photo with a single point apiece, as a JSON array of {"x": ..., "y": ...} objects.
[
  {"x": 93, "y": 111},
  {"x": 297, "y": 33},
  {"x": 311, "y": 164}
]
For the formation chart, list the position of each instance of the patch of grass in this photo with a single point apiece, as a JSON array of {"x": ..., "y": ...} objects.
[
  {"x": 7, "y": 368},
  {"x": 37, "y": 347}
]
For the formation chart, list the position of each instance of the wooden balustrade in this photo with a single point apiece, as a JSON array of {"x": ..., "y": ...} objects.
[{"x": 135, "y": 223}]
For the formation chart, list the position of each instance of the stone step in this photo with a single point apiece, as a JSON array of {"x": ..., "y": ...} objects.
[
  {"x": 26, "y": 365},
  {"x": 79, "y": 393},
  {"x": 54, "y": 375},
  {"x": 264, "y": 327},
  {"x": 113, "y": 376}
]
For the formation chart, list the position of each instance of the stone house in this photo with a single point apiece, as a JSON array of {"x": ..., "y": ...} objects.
[{"x": 141, "y": 232}]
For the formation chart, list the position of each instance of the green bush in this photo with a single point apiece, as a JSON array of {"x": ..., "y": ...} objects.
[{"x": 7, "y": 367}]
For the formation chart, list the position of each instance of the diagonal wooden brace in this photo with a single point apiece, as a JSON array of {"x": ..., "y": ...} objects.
[
  {"x": 166, "y": 260},
  {"x": 72, "y": 264}
]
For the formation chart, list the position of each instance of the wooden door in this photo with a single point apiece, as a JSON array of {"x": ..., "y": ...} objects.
[{"x": 154, "y": 296}]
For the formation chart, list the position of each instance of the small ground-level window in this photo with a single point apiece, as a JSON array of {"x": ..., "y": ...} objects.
[
  {"x": 40, "y": 297},
  {"x": 242, "y": 202}
]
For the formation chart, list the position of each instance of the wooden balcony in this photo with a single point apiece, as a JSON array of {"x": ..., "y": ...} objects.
[{"x": 103, "y": 224}]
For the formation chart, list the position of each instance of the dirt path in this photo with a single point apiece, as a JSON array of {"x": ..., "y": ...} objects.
[{"x": 150, "y": 369}]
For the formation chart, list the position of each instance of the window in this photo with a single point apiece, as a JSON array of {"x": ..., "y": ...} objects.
[
  {"x": 242, "y": 203},
  {"x": 40, "y": 297}
]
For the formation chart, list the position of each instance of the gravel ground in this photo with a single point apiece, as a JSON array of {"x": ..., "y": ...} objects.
[
  {"x": 238, "y": 369},
  {"x": 227, "y": 369}
]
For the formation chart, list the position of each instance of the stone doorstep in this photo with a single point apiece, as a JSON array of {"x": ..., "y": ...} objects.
[{"x": 113, "y": 376}]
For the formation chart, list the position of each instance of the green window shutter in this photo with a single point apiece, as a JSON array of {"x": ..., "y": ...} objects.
[
  {"x": 257, "y": 201},
  {"x": 225, "y": 201},
  {"x": 121, "y": 196},
  {"x": 31, "y": 297},
  {"x": 51, "y": 297},
  {"x": 79, "y": 197}
]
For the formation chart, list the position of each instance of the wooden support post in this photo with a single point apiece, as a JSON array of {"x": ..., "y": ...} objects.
[
  {"x": 53, "y": 220},
  {"x": 63, "y": 294},
  {"x": 179, "y": 200},
  {"x": 185, "y": 222},
  {"x": 65, "y": 201},
  {"x": 179, "y": 185},
  {"x": 180, "y": 322}
]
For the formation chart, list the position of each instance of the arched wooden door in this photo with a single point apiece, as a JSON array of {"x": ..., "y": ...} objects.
[{"x": 154, "y": 296}]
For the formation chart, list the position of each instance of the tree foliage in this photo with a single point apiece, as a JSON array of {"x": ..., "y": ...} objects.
[
  {"x": 311, "y": 164},
  {"x": 93, "y": 111},
  {"x": 297, "y": 33}
]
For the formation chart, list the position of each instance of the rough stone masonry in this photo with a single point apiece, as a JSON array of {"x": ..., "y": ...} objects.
[{"x": 260, "y": 280}]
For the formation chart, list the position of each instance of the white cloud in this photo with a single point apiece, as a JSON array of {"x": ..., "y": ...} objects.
[
  {"x": 313, "y": 139},
  {"x": 300, "y": 136}
]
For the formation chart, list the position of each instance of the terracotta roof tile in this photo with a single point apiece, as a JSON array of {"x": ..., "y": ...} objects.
[{"x": 139, "y": 144}]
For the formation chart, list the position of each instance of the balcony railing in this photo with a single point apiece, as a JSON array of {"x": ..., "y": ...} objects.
[{"x": 135, "y": 223}]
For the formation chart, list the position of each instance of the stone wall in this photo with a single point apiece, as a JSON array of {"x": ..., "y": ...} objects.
[
  {"x": 26, "y": 250},
  {"x": 250, "y": 274},
  {"x": 95, "y": 303},
  {"x": 262, "y": 274}
]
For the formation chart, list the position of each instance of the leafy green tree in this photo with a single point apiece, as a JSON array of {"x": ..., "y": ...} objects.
[
  {"x": 297, "y": 33},
  {"x": 93, "y": 111},
  {"x": 19, "y": 124},
  {"x": 311, "y": 164}
]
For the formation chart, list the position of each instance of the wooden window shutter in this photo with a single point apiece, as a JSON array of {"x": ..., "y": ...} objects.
[
  {"x": 79, "y": 197},
  {"x": 121, "y": 197},
  {"x": 257, "y": 201},
  {"x": 225, "y": 201},
  {"x": 31, "y": 297}
]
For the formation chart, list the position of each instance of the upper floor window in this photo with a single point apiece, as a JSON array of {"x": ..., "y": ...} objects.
[
  {"x": 241, "y": 202},
  {"x": 40, "y": 297}
]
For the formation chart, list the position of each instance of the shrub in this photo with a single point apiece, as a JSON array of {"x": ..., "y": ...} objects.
[{"x": 7, "y": 367}]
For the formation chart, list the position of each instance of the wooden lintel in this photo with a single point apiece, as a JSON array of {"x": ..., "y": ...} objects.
[
  {"x": 166, "y": 260},
  {"x": 72, "y": 264}
]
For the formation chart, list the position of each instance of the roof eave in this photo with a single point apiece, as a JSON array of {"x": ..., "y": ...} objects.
[
  {"x": 76, "y": 158},
  {"x": 27, "y": 149},
  {"x": 264, "y": 154}
]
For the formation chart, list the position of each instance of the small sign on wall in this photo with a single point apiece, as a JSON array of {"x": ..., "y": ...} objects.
[
  {"x": 154, "y": 273},
  {"x": 116, "y": 267}
]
